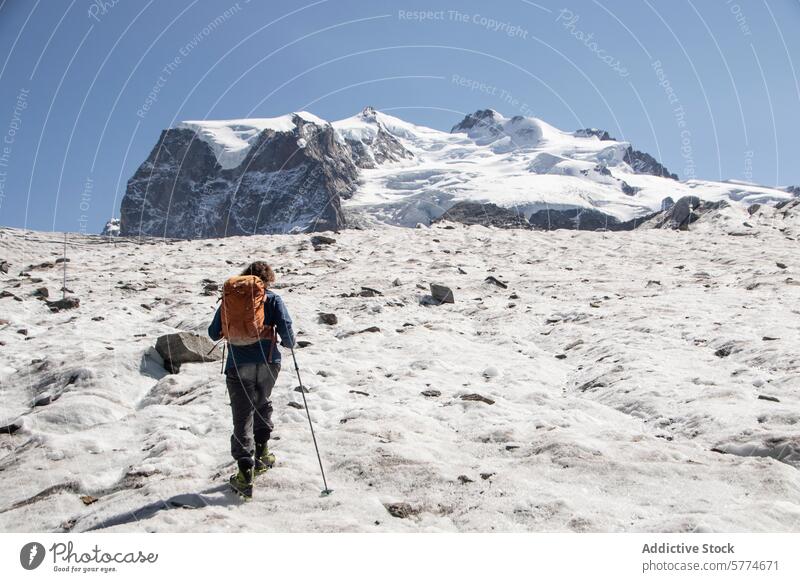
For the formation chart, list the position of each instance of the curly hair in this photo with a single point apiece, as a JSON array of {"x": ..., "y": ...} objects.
[{"x": 261, "y": 270}]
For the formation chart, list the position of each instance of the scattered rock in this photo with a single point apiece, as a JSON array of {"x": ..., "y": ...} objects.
[
  {"x": 595, "y": 383},
  {"x": 62, "y": 304},
  {"x": 371, "y": 329},
  {"x": 5, "y": 293},
  {"x": 441, "y": 294},
  {"x": 724, "y": 351},
  {"x": 574, "y": 344},
  {"x": 400, "y": 510},
  {"x": 769, "y": 338},
  {"x": 98, "y": 318},
  {"x": 4, "y": 265},
  {"x": 44, "y": 399},
  {"x": 359, "y": 392},
  {"x": 303, "y": 343},
  {"x": 760, "y": 397},
  {"x": 301, "y": 389},
  {"x": 463, "y": 479},
  {"x": 186, "y": 347},
  {"x": 328, "y": 318},
  {"x": 88, "y": 499},
  {"x": 210, "y": 287},
  {"x": 319, "y": 241},
  {"x": 486, "y": 476},
  {"x": 45, "y": 265},
  {"x": 495, "y": 281},
  {"x": 296, "y": 405},
  {"x": 397, "y": 282},
  {"x": 780, "y": 265},
  {"x": 22, "y": 331},
  {"x": 41, "y": 292},
  {"x": 60, "y": 260},
  {"x": 431, "y": 393},
  {"x": 11, "y": 428},
  {"x": 477, "y": 398},
  {"x": 561, "y": 356}
]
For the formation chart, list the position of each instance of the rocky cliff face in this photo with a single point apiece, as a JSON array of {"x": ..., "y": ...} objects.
[
  {"x": 644, "y": 163},
  {"x": 291, "y": 179}
]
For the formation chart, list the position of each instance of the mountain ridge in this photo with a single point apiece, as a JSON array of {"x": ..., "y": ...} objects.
[{"x": 300, "y": 173}]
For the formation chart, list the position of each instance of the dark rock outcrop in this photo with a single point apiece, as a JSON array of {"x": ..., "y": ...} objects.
[
  {"x": 571, "y": 219},
  {"x": 483, "y": 118},
  {"x": 489, "y": 214},
  {"x": 600, "y": 134},
  {"x": 289, "y": 181},
  {"x": 583, "y": 219},
  {"x": 641, "y": 162},
  {"x": 644, "y": 163}
]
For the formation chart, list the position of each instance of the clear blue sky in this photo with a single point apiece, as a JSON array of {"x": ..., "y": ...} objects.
[{"x": 707, "y": 86}]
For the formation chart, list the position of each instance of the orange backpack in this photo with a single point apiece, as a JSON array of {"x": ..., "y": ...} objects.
[{"x": 242, "y": 311}]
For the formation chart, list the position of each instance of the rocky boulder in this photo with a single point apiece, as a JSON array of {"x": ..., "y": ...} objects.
[
  {"x": 684, "y": 212},
  {"x": 62, "y": 304},
  {"x": 186, "y": 347},
  {"x": 441, "y": 294}
]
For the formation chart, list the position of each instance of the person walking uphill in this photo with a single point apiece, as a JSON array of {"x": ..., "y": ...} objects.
[{"x": 250, "y": 318}]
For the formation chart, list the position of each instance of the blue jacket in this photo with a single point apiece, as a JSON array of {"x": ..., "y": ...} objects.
[{"x": 275, "y": 313}]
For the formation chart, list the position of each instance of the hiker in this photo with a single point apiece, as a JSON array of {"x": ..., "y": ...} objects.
[{"x": 248, "y": 318}]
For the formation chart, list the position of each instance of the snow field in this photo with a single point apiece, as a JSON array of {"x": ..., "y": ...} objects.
[{"x": 625, "y": 371}]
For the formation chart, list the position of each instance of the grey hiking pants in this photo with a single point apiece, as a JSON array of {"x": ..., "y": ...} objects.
[{"x": 250, "y": 389}]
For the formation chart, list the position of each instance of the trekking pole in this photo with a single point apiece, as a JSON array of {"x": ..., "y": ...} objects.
[{"x": 326, "y": 491}]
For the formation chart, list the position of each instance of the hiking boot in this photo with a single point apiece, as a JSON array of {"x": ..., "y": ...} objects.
[
  {"x": 242, "y": 482},
  {"x": 264, "y": 459}
]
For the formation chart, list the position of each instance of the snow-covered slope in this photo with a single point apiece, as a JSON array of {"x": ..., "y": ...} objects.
[
  {"x": 641, "y": 381},
  {"x": 527, "y": 165},
  {"x": 232, "y": 139},
  {"x": 406, "y": 174}
]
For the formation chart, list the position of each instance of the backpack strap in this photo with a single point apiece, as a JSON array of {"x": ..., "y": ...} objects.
[{"x": 271, "y": 328}]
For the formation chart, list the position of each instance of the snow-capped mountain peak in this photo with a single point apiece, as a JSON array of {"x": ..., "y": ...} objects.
[
  {"x": 231, "y": 140},
  {"x": 487, "y": 127},
  {"x": 300, "y": 172}
]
